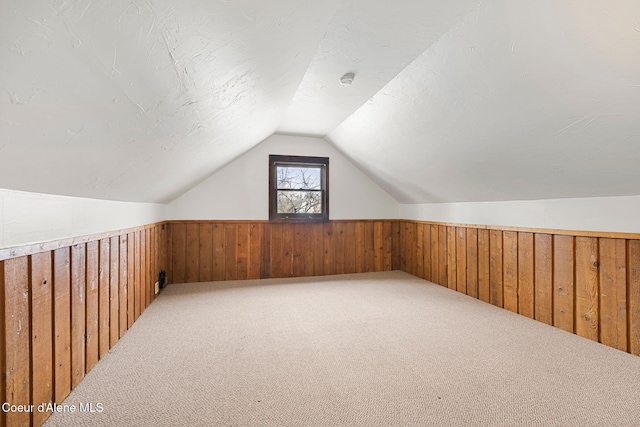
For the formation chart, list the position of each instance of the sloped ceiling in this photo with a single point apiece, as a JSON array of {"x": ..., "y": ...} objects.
[
  {"x": 138, "y": 100},
  {"x": 452, "y": 101},
  {"x": 518, "y": 100}
]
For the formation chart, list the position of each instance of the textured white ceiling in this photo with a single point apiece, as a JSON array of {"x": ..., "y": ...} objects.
[
  {"x": 373, "y": 39},
  {"x": 452, "y": 101},
  {"x": 518, "y": 100},
  {"x": 138, "y": 100}
]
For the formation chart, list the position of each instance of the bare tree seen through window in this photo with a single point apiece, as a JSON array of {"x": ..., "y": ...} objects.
[{"x": 299, "y": 189}]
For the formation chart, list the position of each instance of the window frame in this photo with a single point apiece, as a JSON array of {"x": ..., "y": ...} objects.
[{"x": 276, "y": 160}]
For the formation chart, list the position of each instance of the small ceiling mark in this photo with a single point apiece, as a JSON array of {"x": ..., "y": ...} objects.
[{"x": 347, "y": 79}]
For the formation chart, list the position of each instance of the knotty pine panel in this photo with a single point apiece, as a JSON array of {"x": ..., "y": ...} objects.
[
  {"x": 394, "y": 244},
  {"x": 178, "y": 253},
  {"x": 92, "y": 298},
  {"x": 193, "y": 249},
  {"x": 308, "y": 253},
  {"x": 404, "y": 246},
  {"x": 131, "y": 279},
  {"x": 410, "y": 244},
  {"x": 150, "y": 281},
  {"x": 243, "y": 240},
  {"x": 340, "y": 247},
  {"x": 378, "y": 246},
  {"x": 357, "y": 246},
  {"x": 255, "y": 246},
  {"x": 526, "y": 289},
  {"x": 329, "y": 250},
  {"x": 144, "y": 269},
  {"x": 613, "y": 293},
  {"x": 426, "y": 251},
  {"x": 123, "y": 297},
  {"x": 369, "y": 251},
  {"x": 510, "y": 270},
  {"x": 443, "y": 266},
  {"x": 137, "y": 278},
  {"x": 103, "y": 296},
  {"x": 154, "y": 263},
  {"x": 62, "y": 322},
  {"x": 543, "y": 260},
  {"x": 484, "y": 277},
  {"x": 142, "y": 290},
  {"x": 299, "y": 244},
  {"x": 496, "y": 289},
  {"x": 114, "y": 295},
  {"x": 231, "y": 255},
  {"x": 461, "y": 260},
  {"x": 78, "y": 313},
  {"x": 162, "y": 248},
  {"x": 434, "y": 248},
  {"x": 206, "y": 253},
  {"x": 472, "y": 262},
  {"x": 41, "y": 332},
  {"x": 563, "y": 283},
  {"x": 418, "y": 261},
  {"x": 348, "y": 241},
  {"x": 587, "y": 299},
  {"x": 276, "y": 252},
  {"x": 16, "y": 338},
  {"x": 218, "y": 251},
  {"x": 319, "y": 252},
  {"x": 287, "y": 250},
  {"x": 452, "y": 273}
]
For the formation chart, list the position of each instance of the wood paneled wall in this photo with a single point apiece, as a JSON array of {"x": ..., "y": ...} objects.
[
  {"x": 587, "y": 284},
  {"x": 62, "y": 309},
  {"x": 229, "y": 250}
]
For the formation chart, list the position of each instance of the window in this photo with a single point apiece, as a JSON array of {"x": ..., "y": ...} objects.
[{"x": 298, "y": 188}]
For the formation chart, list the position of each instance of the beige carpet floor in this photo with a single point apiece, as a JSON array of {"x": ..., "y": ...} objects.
[{"x": 375, "y": 349}]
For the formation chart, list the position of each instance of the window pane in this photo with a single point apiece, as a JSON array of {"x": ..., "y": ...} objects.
[
  {"x": 300, "y": 202},
  {"x": 298, "y": 188},
  {"x": 298, "y": 178}
]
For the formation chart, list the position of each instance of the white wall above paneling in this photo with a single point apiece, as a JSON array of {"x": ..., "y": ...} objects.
[
  {"x": 241, "y": 189},
  {"x": 27, "y": 218},
  {"x": 613, "y": 214}
]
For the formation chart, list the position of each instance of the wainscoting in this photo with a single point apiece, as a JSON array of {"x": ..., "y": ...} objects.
[
  {"x": 584, "y": 283},
  {"x": 228, "y": 250},
  {"x": 63, "y": 305}
]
